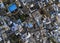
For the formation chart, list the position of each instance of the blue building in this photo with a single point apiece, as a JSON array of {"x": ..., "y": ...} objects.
[{"x": 12, "y": 7}]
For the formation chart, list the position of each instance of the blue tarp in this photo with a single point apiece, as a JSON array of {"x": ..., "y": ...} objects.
[{"x": 12, "y": 7}]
